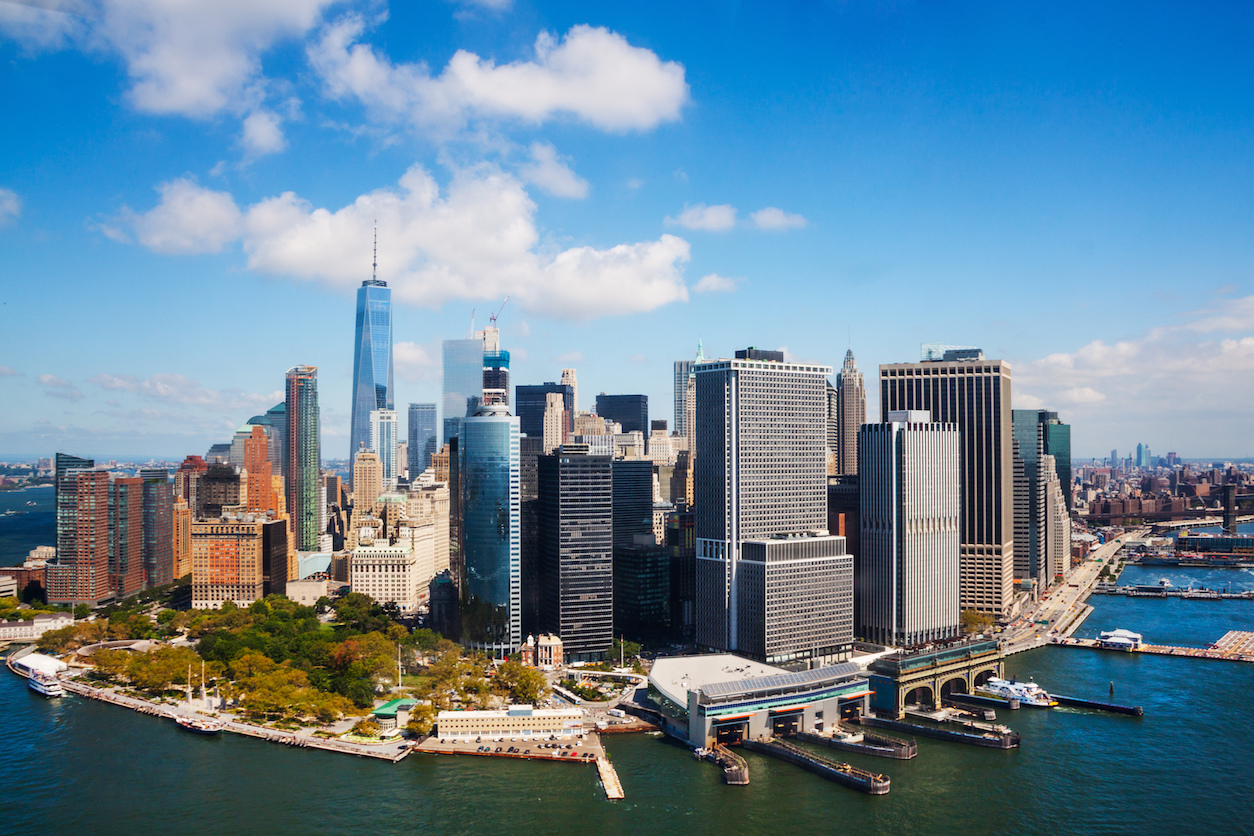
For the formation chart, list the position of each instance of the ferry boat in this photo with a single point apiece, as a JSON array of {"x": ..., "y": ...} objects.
[
  {"x": 46, "y": 684},
  {"x": 1027, "y": 693},
  {"x": 200, "y": 725}
]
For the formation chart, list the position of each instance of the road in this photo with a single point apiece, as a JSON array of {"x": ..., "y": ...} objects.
[{"x": 1062, "y": 605}]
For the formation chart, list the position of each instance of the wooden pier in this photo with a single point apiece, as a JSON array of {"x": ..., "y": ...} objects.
[
  {"x": 871, "y": 783},
  {"x": 609, "y": 779},
  {"x": 1234, "y": 646}
]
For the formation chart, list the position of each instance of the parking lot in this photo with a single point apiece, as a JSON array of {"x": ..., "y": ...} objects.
[{"x": 585, "y": 749}]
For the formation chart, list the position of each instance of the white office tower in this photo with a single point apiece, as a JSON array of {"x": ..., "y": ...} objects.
[
  {"x": 771, "y": 582},
  {"x": 908, "y": 569},
  {"x": 554, "y": 422},
  {"x": 384, "y": 435},
  {"x": 569, "y": 378},
  {"x": 1057, "y": 524}
]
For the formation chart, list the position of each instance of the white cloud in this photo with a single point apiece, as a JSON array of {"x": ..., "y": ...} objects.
[
  {"x": 415, "y": 363},
  {"x": 592, "y": 74},
  {"x": 714, "y": 283},
  {"x": 776, "y": 219},
  {"x": 719, "y": 218},
  {"x": 1149, "y": 387},
  {"x": 180, "y": 389},
  {"x": 189, "y": 219},
  {"x": 552, "y": 174},
  {"x": 56, "y": 387},
  {"x": 10, "y": 206},
  {"x": 6, "y": 371},
  {"x": 491, "y": 5},
  {"x": 263, "y": 133},
  {"x": 476, "y": 241},
  {"x": 570, "y": 358}
]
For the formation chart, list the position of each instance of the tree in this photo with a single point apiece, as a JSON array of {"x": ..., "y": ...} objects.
[
  {"x": 366, "y": 727},
  {"x": 421, "y": 719},
  {"x": 974, "y": 621},
  {"x": 521, "y": 683},
  {"x": 620, "y": 650},
  {"x": 82, "y": 611},
  {"x": 426, "y": 640}
]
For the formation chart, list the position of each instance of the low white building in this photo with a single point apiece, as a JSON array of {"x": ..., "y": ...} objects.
[
  {"x": 306, "y": 592},
  {"x": 36, "y": 627},
  {"x": 399, "y": 574},
  {"x": 522, "y": 721}
]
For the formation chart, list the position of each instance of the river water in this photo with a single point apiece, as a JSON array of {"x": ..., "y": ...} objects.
[{"x": 78, "y": 766}]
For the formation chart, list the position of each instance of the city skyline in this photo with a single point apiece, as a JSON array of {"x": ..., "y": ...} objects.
[{"x": 1034, "y": 164}]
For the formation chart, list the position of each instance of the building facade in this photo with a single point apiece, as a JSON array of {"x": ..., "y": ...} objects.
[
  {"x": 158, "y": 509},
  {"x": 630, "y": 411},
  {"x": 227, "y": 557},
  {"x": 760, "y": 471},
  {"x": 965, "y": 389},
  {"x": 80, "y": 573},
  {"x": 384, "y": 439},
  {"x": 463, "y": 383},
  {"x": 576, "y": 549},
  {"x": 849, "y": 416},
  {"x": 908, "y": 567},
  {"x": 304, "y": 456},
  {"x": 422, "y": 438},
  {"x": 491, "y": 524},
  {"x": 372, "y": 359},
  {"x": 530, "y": 403}
]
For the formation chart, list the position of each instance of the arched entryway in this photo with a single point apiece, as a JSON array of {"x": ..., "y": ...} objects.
[
  {"x": 922, "y": 695},
  {"x": 956, "y": 685}
]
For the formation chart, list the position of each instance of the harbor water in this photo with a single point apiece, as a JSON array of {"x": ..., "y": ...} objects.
[{"x": 78, "y": 766}]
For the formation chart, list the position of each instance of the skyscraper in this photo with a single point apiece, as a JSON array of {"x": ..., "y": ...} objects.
[
  {"x": 303, "y": 459},
  {"x": 907, "y": 582},
  {"x": 463, "y": 382},
  {"x": 158, "y": 508},
  {"x": 1029, "y": 494},
  {"x": 554, "y": 423},
  {"x": 641, "y": 565},
  {"x": 632, "y": 411},
  {"x": 683, "y": 375},
  {"x": 530, "y": 403},
  {"x": 569, "y": 378},
  {"x": 80, "y": 574},
  {"x": 495, "y": 367},
  {"x": 367, "y": 483},
  {"x": 488, "y": 475},
  {"x": 422, "y": 438},
  {"x": 384, "y": 436},
  {"x": 770, "y": 583},
  {"x": 849, "y": 416},
  {"x": 372, "y": 359},
  {"x": 965, "y": 389},
  {"x": 126, "y": 535},
  {"x": 576, "y": 545},
  {"x": 1058, "y": 444}
]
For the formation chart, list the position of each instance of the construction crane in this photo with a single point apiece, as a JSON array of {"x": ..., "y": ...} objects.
[{"x": 498, "y": 311}]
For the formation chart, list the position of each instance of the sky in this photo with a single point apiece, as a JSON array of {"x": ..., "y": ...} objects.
[{"x": 188, "y": 193}]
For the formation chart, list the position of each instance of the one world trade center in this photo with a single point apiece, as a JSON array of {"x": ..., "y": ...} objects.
[{"x": 372, "y": 359}]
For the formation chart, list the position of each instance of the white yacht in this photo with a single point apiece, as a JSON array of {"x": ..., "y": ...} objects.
[
  {"x": 46, "y": 684},
  {"x": 1027, "y": 693}
]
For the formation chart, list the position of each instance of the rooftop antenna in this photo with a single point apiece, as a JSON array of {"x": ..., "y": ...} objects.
[
  {"x": 472, "y": 323},
  {"x": 375, "y": 271}
]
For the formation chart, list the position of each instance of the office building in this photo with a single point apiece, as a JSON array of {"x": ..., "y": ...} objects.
[
  {"x": 554, "y": 422},
  {"x": 569, "y": 378},
  {"x": 372, "y": 360},
  {"x": 495, "y": 367},
  {"x": 303, "y": 460},
  {"x": 384, "y": 440},
  {"x": 908, "y": 567},
  {"x": 761, "y": 479},
  {"x": 422, "y": 438},
  {"x": 631, "y": 411},
  {"x": 681, "y": 546},
  {"x": 277, "y": 416},
  {"x": 158, "y": 511},
  {"x": 1057, "y": 548},
  {"x": 126, "y": 535},
  {"x": 220, "y": 487},
  {"x": 491, "y": 531},
  {"x": 227, "y": 558},
  {"x": 1037, "y": 434},
  {"x": 367, "y": 482},
  {"x": 463, "y": 383},
  {"x": 80, "y": 573},
  {"x": 684, "y": 395},
  {"x": 963, "y": 388},
  {"x": 641, "y": 563},
  {"x": 429, "y": 505},
  {"x": 181, "y": 524},
  {"x": 849, "y": 415},
  {"x": 187, "y": 481},
  {"x": 531, "y": 401},
  {"x": 399, "y": 573},
  {"x": 1057, "y": 437},
  {"x": 576, "y": 549}
]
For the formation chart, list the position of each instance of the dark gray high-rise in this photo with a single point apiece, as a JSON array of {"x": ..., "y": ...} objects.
[
  {"x": 632, "y": 411},
  {"x": 576, "y": 541},
  {"x": 529, "y": 403}
]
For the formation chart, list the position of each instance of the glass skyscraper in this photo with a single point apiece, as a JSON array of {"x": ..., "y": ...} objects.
[
  {"x": 372, "y": 360},
  {"x": 384, "y": 436},
  {"x": 422, "y": 438},
  {"x": 304, "y": 455},
  {"x": 463, "y": 382},
  {"x": 488, "y": 469}
]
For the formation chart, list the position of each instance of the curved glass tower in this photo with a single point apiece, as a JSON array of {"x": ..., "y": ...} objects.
[
  {"x": 491, "y": 531},
  {"x": 372, "y": 360}
]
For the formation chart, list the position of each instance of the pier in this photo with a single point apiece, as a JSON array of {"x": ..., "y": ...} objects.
[
  {"x": 974, "y": 734},
  {"x": 868, "y": 743},
  {"x": 1172, "y": 592},
  {"x": 609, "y": 779},
  {"x": 1076, "y": 702},
  {"x": 735, "y": 770},
  {"x": 1234, "y": 646},
  {"x": 870, "y": 783}
]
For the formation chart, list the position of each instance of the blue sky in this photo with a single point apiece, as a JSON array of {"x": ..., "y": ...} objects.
[{"x": 187, "y": 192}]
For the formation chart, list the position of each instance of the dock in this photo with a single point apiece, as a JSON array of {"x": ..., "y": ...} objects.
[
  {"x": 973, "y": 734},
  {"x": 979, "y": 702},
  {"x": 609, "y": 779},
  {"x": 869, "y": 743},
  {"x": 735, "y": 770},
  {"x": 1172, "y": 592},
  {"x": 870, "y": 783},
  {"x": 1234, "y": 646},
  {"x": 1076, "y": 702}
]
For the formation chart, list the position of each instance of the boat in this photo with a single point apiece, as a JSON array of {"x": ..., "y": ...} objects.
[
  {"x": 46, "y": 684},
  {"x": 200, "y": 725},
  {"x": 1163, "y": 583},
  {"x": 1027, "y": 693}
]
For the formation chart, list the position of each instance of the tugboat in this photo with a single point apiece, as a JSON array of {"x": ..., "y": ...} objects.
[{"x": 1027, "y": 693}]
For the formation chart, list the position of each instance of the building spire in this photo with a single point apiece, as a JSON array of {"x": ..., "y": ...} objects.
[{"x": 374, "y": 274}]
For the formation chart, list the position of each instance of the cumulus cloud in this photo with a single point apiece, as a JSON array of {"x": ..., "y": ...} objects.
[
  {"x": 263, "y": 134},
  {"x": 476, "y": 241},
  {"x": 1151, "y": 387},
  {"x": 6, "y": 371},
  {"x": 56, "y": 387},
  {"x": 416, "y": 363},
  {"x": 719, "y": 218},
  {"x": 714, "y": 283},
  {"x": 776, "y": 219},
  {"x": 592, "y": 75},
  {"x": 189, "y": 219},
  {"x": 10, "y": 206},
  {"x": 551, "y": 174},
  {"x": 179, "y": 389}
]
